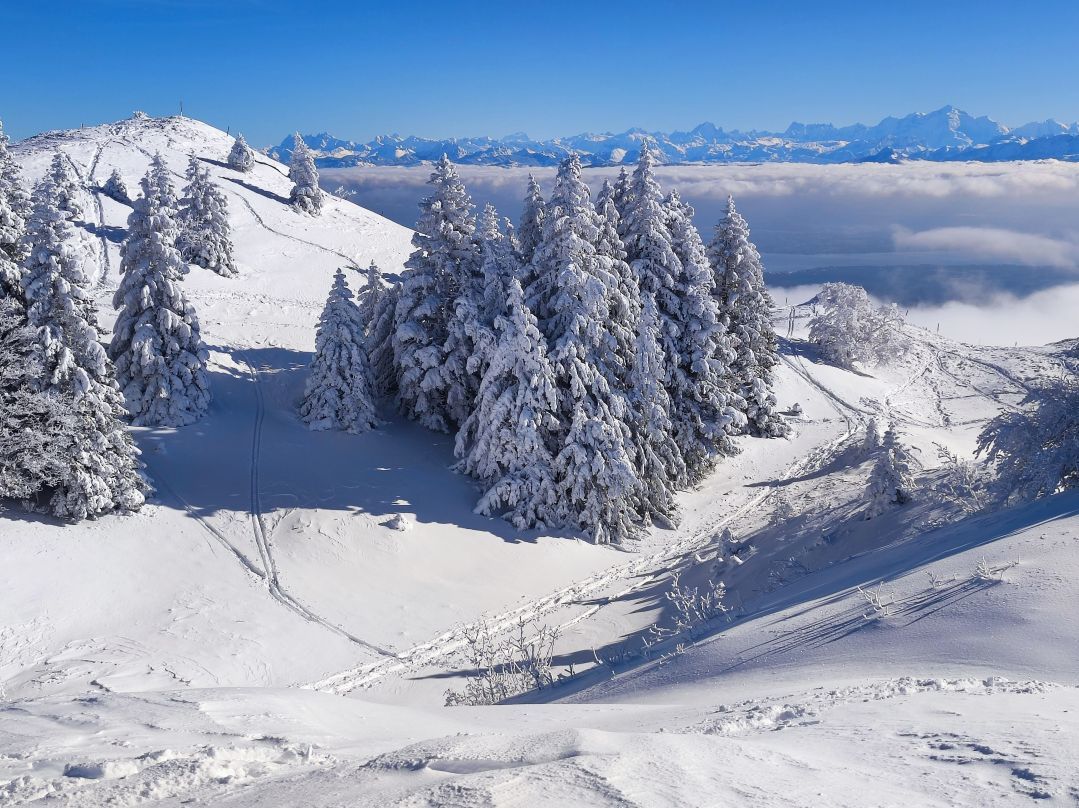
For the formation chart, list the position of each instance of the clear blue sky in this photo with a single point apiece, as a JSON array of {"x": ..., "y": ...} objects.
[{"x": 365, "y": 67}]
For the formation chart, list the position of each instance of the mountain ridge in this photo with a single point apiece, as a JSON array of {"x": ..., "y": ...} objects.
[{"x": 945, "y": 134}]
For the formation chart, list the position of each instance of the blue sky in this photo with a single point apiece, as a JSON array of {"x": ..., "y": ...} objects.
[{"x": 357, "y": 69}]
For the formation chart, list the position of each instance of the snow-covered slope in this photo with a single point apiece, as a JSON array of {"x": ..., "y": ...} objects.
[{"x": 155, "y": 658}]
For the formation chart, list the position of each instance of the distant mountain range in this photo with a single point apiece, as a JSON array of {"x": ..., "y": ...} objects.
[{"x": 948, "y": 134}]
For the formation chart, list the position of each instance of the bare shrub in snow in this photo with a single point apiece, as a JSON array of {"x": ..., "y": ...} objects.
[
  {"x": 880, "y": 602},
  {"x": 505, "y": 666},
  {"x": 850, "y": 330},
  {"x": 962, "y": 483},
  {"x": 694, "y": 608},
  {"x": 1035, "y": 450}
]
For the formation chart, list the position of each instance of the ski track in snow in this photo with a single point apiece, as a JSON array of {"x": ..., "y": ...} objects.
[{"x": 263, "y": 542}]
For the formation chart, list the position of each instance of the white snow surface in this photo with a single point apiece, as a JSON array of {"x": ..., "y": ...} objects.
[{"x": 279, "y": 625}]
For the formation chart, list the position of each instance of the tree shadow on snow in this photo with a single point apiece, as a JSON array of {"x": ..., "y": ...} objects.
[
  {"x": 811, "y": 353},
  {"x": 207, "y": 468},
  {"x": 260, "y": 191}
]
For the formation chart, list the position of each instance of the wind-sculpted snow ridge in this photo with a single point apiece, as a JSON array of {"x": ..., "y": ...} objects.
[{"x": 944, "y": 135}]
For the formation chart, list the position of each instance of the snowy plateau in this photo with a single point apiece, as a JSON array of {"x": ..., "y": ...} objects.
[{"x": 280, "y": 624}]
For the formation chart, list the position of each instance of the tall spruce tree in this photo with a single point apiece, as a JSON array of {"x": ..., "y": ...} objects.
[
  {"x": 306, "y": 196},
  {"x": 14, "y": 211},
  {"x": 432, "y": 384},
  {"x": 531, "y": 227},
  {"x": 96, "y": 461},
  {"x": 571, "y": 295},
  {"x": 241, "y": 158},
  {"x": 706, "y": 408},
  {"x": 66, "y": 185},
  {"x": 746, "y": 307},
  {"x": 156, "y": 345},
  {"x": 377, "y": 302},
  {"x": 205, "y": 236},
  {"x": 338, "y": 394},
  {"x": 659, "y": 462},
  {"x": 504, "y": 442}
]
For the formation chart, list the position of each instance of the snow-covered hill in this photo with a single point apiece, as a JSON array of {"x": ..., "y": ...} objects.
[
  {"x": 279, "y": 626},
  {"x": 946, "y": 134}
]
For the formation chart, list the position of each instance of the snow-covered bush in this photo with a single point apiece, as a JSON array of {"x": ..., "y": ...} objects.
[
  {"x": 115, "y": 188},
  {"x": 891, "y": 481},
  {"x": 694, "y": 609},
  {"x": 338, "y": 391},
  {"x": 850, "y": 330},
  {"x": 962, "y": 483},
  {"x": 205, "y": 236},
  {"x": 505, "y": 666},
  {"x": 156, "y": 344},
  {"x": 241, "y": 158},
  {"x": 306, "y": 196},
  {"x": 871, "y": 441},
  {"x": 1035, "y": 450}
]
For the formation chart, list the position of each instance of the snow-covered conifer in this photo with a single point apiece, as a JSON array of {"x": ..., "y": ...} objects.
[
  {"x": 66, "y": 185},
  {"x": 14, "y": 211},
  {"x": 338, "y": 394},
  {"x": 95, "y": 460},
  {"x": 203, "y": 220},
  {"x": 620, "y": 192},
  {"x": 531, "y": 228},
  {"x": 241, "y": 158},
  {"x": 871, "y": 442},
  {"x": 162, "y": 190},
  {"x": 115, "y": 188},
  {"x": 746, "y": 307},
  {"x": 705, "y": 406},
  {"x": 432, "y": 382},
  {"x": 658, "y": 460},
  {"x": 571, "y": 296},
  {"x": 504, "y": 441},
  {"x": 377, "y": 302},
  {"x": 306, "y": 196},
  {"x": 156, "y": 345},
  {"x": 890, "y": 481}
]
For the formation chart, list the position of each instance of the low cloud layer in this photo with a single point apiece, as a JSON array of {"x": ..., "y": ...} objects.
[{"x": 1022, "y": 215}]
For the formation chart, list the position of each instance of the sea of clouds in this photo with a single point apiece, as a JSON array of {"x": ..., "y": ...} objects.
[{"x": 1019, "y": 219}]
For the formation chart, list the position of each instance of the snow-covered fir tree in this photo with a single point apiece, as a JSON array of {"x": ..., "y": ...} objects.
[
  {"x": 571, "y": 294},
  {"x": 159, "y": 179},
  {"x": 620, "y": 191},
  {"x": 1035, "y": 449},
  {"x": 706, "y": 407},
  {"x": 241, "y": 158},
  {"x": 14, "y": 211},
  {"x": 96, "y": 460},
  {"x": 32, "y": 422},
  {"x": 658, "y": 460},
  {"x": 504, "y": 442},
  {"x": 746, "y": 307},
  {"x": 156, "y": 345},
  {"x": 205, "y": 236},
  {"x": 115, "y": 188},
  {"x": 338, "y": 394},
  {"x": 871, "y": 442},
  {"x": 890, "y": 481},
  {"x": 432, "y": 383},
  {"x": 66, "y": 185},
  {"x": 377, "y": 302},
  {"x": 306, "y": 196},
  {"x": 531, "y": 228},
  {"x": 499, "y": 265}
]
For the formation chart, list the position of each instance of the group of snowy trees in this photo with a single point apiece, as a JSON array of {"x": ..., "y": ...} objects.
[
  {"x": 849, "y": 329},
  {"x": 64, "y": 445},
  {"x": 65, "y": 399},
  {"x": 591, "y": 362}
]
